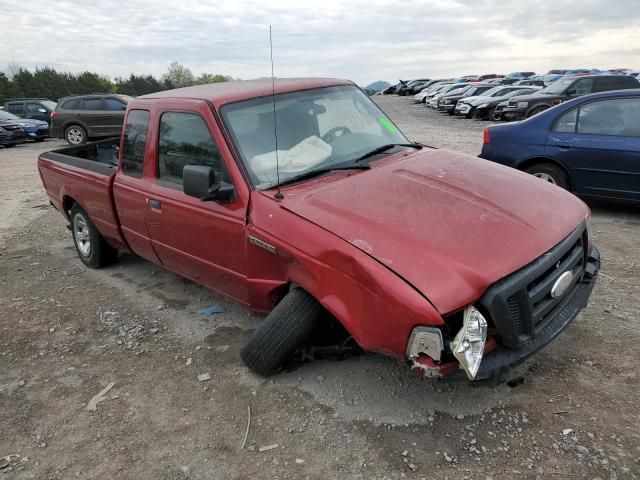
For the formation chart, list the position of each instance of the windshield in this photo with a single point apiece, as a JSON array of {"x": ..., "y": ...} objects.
[
  {"x": 8, "y": 116},
  {"x": 557, "y": 87},
  {"x": 317, "y": 129}
]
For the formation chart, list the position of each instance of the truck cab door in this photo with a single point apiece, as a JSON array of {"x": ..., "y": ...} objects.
[
  {"x": 201, "y": 240},
  {"x": 130, "y": 185}
]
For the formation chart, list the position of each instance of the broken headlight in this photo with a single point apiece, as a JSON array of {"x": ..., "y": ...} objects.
[{"x": 468, "y": 345}]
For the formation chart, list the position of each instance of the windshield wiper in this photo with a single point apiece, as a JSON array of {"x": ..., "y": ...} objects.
[
  {"x": 321, "y": 171},
  {"x": 384, "y": 148}
]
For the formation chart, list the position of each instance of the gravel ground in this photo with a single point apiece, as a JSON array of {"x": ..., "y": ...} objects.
[{"x": 68, "y": 332}]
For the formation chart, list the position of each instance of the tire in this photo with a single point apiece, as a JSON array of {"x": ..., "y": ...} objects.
[
  {"x": 75, "y": 135},
  {"x": 549, "y": 173},
  {"x": 287, "y": 328},
  {"x": 536, "y": 111},
  {"x": 92, "y": 248},
  {"x": 470, "y": 113},
  {"x": 9, "y": 145}
]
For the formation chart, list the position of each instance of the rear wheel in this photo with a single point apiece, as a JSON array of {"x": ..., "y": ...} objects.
[
  {"x": 75, "y": 135},
  {"x": 92, "y": 248},
  {"x": 284, "y": 331},
  {"x": 549, "y": 173}
]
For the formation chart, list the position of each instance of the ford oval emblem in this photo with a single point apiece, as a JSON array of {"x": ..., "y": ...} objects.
[{"x": 562, "y": 284}]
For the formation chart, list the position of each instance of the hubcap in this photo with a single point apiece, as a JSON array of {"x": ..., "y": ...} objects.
[
  {"x": 74, "y": 135},
  {"x": 81, "y": 234},
  {"x": 546, "y": 177}
]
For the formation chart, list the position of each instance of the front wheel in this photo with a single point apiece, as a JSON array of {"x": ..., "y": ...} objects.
[
  {"x": 549, "y": 173},
  {"x": 75, "y": 135},
  {"x": 92, "y": 248},
  {"x": 285, "y": 330},
  {"x": 470, "y": 113},
  {"x": 536, "y": 110}
]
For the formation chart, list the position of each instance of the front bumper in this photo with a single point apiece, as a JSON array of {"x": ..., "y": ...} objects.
[
  {"x": 503, "y": 358},
  {"x": 462, "y": 109}
]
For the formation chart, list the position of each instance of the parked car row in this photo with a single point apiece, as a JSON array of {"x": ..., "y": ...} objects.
[
  {"x": 579, "y": 130},
  {"x": 76, "y": 118}
]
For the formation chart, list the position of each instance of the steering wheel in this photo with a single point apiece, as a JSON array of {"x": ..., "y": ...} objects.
[{"x": 332, "y": 134}]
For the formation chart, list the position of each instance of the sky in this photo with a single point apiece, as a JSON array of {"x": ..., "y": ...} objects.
[{"x": 360, "y": 40}]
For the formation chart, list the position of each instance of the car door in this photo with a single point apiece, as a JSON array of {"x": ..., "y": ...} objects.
[
  {"x": 115, "y": 115},
  {"x": 94, "y": 116},
  {"x": 130, "y": 185},
  {"x": 202, "y": 240},
  {"x": 599, "y": 142}
]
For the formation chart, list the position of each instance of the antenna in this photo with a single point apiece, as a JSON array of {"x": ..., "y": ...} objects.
[{"x": 278, "y": 194}]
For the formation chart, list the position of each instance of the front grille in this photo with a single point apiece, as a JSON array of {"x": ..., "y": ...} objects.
[{"x": 521, "y": 304}]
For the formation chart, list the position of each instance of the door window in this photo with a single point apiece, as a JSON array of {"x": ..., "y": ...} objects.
[
  {"x": 17, "y": 108},
  {"x": 583, "y": 86},
  {"x": 135, "y": 138},
  {"x": 567, "y": 122},
  {"x": 619, "y": 117},
  {"x": 185, "y": 140},
  {"x": 113, "y": 104},
  {"x": 92, "y": 104},
  {"x": 34, "y": 108}
]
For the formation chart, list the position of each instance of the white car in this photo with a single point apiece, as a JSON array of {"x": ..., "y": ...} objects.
[{"x": 428, "y": 92}]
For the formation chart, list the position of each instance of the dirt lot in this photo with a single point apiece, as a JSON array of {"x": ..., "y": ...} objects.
[{"x": 67, "y": 332}]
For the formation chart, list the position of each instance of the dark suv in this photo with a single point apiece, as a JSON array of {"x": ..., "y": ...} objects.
[
  {"x": 82, "y": 117},
  {"x": 34, "y": 108},
  {"x": 562, "y": 90}
]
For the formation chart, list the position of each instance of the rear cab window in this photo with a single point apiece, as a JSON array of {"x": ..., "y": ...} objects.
[{"x": 135, "y": 139}]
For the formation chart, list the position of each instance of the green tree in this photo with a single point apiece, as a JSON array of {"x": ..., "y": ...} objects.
[
  {"x": 178, "y": 76},
  {"x": 212, "y": 78}
]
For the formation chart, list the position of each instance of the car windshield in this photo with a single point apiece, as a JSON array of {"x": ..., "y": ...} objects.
[
  {"x": 557, "y": 87},
  {"x": 8, "y": 116},
  {"x": 316, "y": 129},
  {"x": 49, "y": 104}
]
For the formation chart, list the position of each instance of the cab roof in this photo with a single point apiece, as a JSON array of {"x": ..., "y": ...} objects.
[{"x": 227, "y": 92}]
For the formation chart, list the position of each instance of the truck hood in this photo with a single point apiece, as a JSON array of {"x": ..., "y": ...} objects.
[{"x": 447, "y": 223}]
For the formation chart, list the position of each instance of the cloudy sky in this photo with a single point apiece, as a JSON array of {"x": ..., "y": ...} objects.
[{"x": 360, "y": 40}]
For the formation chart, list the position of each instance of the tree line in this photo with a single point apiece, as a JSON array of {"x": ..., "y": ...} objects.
[{"x": 48, "y": 83}]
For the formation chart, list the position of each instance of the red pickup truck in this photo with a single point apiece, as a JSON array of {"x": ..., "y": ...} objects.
[{"x": 310, "y": 206}]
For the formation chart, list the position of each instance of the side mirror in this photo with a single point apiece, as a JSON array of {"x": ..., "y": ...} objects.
[
  {"x": 571, "y": 91},
  {"x": 200, "y": 182},
  {"x": 42, "y": 110}
]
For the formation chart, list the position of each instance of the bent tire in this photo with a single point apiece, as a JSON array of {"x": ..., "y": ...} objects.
[
  {"x": 287, "y": 328},
  {"x": 75, "y": 135},
  {"x": 92, "y": 248},
  {"x": 549, "y": 173}
]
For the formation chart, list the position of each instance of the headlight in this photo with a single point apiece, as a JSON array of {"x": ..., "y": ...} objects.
[
  {"x": 425, "y": 340},
  {"x": 523, "y": 104},
  {"x": 483, "y": 105},
  {"x": 468, "y": 345}
]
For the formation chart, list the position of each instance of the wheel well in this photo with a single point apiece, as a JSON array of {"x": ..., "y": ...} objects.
[
  {"x": 544, "y": 106},
  {"x": 537, "y": 160},
  {"x": 67, "y": 204},
  {"x": 73, "y": 123}
]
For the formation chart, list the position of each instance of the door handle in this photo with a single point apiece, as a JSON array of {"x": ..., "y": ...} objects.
[
  {"x": 153, "y": 204},
  {"x": 564, "y": 147}
]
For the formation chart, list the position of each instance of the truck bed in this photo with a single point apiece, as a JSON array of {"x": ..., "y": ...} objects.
[{"x": 84, "y": 174}]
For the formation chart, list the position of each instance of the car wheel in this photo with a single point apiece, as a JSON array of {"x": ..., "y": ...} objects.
[
  {"x": 470, "y": 113},
  {"x": 549, "y": 173},
  {"x": 92, "y": 248},
  {"x": 75, "y": 135},
  {"x": 285, "y": 330},
  {"x": 536, "y": 110}
]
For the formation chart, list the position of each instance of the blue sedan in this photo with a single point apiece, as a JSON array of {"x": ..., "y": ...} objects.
[
  {"x": 34, "y": 129},
  {"x": 589, "y": 145}
]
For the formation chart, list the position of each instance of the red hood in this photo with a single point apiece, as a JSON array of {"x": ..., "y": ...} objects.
[{"x": 449, "y": 224}]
